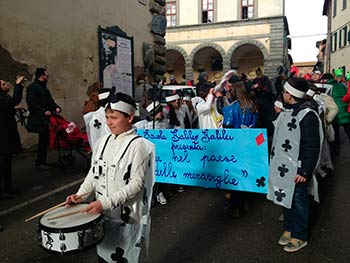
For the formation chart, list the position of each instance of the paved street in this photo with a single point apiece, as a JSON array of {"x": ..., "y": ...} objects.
[{"x": 192, "y": 227}]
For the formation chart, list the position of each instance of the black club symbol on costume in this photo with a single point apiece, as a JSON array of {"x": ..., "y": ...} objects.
[
  {"x": 280, "y": 194},
  {"x": 286, "y": 146},
  {"x": 97, "y": 124},
  {"x": 260, "y": 182},
  {"x": 283, "y": 170},
  {"x": 125, "y": 215},
  {"x": 292, "y": 124},
  {"x": 126, "y": 176},
  {"x": 118, "y": 256},
  {"x": 272, "y": 152}
]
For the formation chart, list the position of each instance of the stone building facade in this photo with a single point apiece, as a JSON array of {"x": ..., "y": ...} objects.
[{"x": 239, "y": 34}]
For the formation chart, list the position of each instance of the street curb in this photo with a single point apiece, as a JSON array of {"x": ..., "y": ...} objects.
[{"x": 40, "y": 197}]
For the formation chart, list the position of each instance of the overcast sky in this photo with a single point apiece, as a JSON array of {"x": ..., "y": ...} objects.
[{"x": 306, "y": 27}]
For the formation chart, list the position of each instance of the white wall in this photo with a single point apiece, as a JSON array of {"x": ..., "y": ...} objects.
[
  {"x": 268, "y": 8},
  {"x": 227, "y": 10}
]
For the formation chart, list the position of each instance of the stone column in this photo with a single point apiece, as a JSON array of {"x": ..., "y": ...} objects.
[{"x": 188, "y": 69}]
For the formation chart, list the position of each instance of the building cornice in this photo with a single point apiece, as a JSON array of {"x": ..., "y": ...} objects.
[
  {"x": 244, "y": 22},
  {"x": 218, "y": 39}
]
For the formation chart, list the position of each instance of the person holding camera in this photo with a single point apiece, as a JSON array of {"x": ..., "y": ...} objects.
[{"x": 10, "y": 142}]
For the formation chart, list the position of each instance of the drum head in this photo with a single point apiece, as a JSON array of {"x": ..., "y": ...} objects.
[{"x": 67, "y": 222}]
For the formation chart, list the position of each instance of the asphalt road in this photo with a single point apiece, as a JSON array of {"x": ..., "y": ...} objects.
[{"x": 193, "y": 227}]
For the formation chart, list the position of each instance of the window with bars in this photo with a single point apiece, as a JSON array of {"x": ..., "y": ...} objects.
[
  {"x": 207, "y": 11},
  {"x": 334, "y": 42},
  {"x": 247, "y": 9},
  {"x": 345, "y": 36},
  {"x": 171, "y": 13}
]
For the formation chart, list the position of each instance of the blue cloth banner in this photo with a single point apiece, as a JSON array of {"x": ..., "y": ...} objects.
[{"x": 234, "y": 159}]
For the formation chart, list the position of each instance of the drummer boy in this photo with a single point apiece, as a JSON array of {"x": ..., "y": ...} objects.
[{"x": 121, "y": 177}]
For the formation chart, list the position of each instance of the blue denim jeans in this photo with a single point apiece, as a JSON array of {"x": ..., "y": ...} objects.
[{"x": 296, "y": 219}]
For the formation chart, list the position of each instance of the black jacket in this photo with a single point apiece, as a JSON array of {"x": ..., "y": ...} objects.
[
  {"x": 9, "y": 137},
  {"x": 310, "y": 145},
  {"x": 39, "y": 100}
]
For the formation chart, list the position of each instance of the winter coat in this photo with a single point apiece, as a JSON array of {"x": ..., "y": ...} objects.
[
  {"x": 235, "y": 118},
  {"x": 39, "y": 100},
  {"x": 208, "y": 116},
  {"x": 9, "y": 137},
  {"x": 338, "y": 92}
]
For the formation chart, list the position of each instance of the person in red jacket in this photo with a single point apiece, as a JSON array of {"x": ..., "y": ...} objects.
[{"x": 346, "y": 98}]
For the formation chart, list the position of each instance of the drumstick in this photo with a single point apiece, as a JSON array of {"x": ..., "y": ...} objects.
[
  {"x": 65, "y": 214},
  {"x": 53, "y": 208}
]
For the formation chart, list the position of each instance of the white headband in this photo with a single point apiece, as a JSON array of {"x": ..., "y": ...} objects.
[
  {"x": 123, "y": 107},
  {"x": 172, "y": 98},
  {"x": 150, "y": 107},
  {"x": 293, "y": 91},
  {"x": 103, "y": 95},
  {"x": 310, "y": 93}
]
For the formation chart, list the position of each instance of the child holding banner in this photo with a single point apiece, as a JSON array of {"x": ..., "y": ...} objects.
[
  {"x": 205, "y": 105},
  {"x": 242, "y": 113},
  {"x": 155, "y": 120},
  {"x": 294, "y": 156}
]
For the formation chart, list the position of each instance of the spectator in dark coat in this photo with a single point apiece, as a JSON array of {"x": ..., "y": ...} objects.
[
  {"x": 41, "y": 106},
  {"x": 9, "y": 137},
  {"x": 263, "y": 95}
]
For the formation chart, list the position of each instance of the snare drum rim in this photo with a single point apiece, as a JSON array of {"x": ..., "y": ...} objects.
[
  {"x": 74, "y": 251},
  {"x": 69, "y": 229}
]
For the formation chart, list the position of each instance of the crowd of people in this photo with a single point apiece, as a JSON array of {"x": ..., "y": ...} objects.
[{"x": 302, "y": 122}]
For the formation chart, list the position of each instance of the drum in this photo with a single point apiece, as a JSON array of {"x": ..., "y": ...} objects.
[{"x": 70, "y": 233}]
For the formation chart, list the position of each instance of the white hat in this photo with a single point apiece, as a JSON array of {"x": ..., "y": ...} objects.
[{"x": 172, "y": 98}]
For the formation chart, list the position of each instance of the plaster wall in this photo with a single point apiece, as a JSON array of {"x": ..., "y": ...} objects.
[
  {"x": 188, "y": 12},
  {"x": 340, "y": 58},
  {"x": 227, "y": 10},
  {"x": 62, "y": 36},
  {"x": 268, "y": 8},
  {"x": 343, "y": 16}
]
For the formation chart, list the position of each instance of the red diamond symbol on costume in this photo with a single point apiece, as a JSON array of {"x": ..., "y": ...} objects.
[{"x": 260, "y": 139}]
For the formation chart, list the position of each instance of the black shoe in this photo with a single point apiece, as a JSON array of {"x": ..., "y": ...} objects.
[{"x": 1, "y": 228}]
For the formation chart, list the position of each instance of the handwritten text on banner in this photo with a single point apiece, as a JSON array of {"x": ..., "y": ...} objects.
[{"x": 234, "y": 159}]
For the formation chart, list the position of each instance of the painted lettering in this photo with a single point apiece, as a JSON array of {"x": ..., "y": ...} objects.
[
  {"x": 219, "y": 135},
  {"x": 217, "y": 158}
]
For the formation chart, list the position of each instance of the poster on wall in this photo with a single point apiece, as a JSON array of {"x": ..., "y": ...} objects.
[{"x": 116, "y": 60}]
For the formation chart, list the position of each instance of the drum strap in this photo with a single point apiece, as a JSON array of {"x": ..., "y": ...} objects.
[
  {"x": 126, "y": 148},
  {"x": 104, "y": 146}
]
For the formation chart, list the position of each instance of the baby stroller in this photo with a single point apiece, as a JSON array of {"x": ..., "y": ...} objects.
[{"x": 66, "y": 137}]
